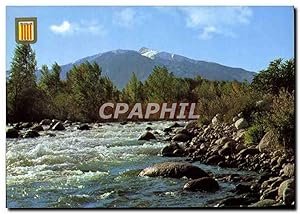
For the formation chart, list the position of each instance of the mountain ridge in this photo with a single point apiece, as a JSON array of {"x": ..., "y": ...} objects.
[{"x": 119, "y": 64}]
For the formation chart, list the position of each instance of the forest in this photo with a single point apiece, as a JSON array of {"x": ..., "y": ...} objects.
[{"x": 268, "y": 102}]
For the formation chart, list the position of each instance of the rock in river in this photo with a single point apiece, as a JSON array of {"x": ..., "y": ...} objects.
[
  {"x": 58, "y": 126},
  {"x": 31, "y": 134},
  {"x": 181, "y": 138},
  {"x": 12, "y": 133},
  {"x": 172, "y": 150},
  {"x": 147, "y": 136},
  {"x": 174, "y": 170},
  {"x": 206, "y": 184},
  {"x": 84, "y": 127}
]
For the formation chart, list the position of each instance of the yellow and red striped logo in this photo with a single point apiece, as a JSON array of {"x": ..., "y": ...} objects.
[{"x": 26, "y": 30}]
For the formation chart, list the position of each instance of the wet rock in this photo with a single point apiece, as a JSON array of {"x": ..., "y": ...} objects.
[
  {"x": 12, "y": 133},
  {"x": 84, "y": 127},
  {"x": 241, "y": 123},
  {"x": 214, "y": 159},
  {"x": 206, "y": 184},
  {"x": 37, "y": 128},
  {"x": 172, "y": 150},
  {"x": 31, "y": 134},
  {"x": 175, "y": 125},
  {"x": 289, "y": 170},
  {"x": 147, "y": 136},
  {"x": 123, "y": 123},
  {"x": 58, "y": 127},
  {"x": 167, "y": 130},
  {"x": 45, "y": 122},
  {"x": 264, "y": 203},
  {"x": 181, "y": 138},
  {"x": 174, "y": 170},
  {"x": 149, "y": 129}
]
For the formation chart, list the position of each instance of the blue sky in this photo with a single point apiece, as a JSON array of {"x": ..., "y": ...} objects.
[{"x": 246, "y": 37}]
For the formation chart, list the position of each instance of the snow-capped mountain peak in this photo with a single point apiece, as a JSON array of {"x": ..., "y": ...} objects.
[{"x": 148, "y": 52}]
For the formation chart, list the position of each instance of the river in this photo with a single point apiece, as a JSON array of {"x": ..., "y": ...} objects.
[{"x": 98, "y": 168}]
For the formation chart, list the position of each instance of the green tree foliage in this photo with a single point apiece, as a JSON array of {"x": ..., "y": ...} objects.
[
  {"x": 133, "y": 91},
  {"x": 162, "y": 86},
  {"x": 22, "y": 93},
  {"x": 279, "y": 75},
  {"x": 88, "y": 90}
]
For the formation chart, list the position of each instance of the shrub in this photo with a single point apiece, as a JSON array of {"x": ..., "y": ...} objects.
[
  {"x": 254, "y": 134},
  {"x": 281, "y": 119}
]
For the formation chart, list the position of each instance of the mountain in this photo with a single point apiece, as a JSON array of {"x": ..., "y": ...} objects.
[{"x": 118, "y": 65}]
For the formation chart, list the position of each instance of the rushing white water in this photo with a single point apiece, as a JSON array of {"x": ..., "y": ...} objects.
[{"x": 96, "y": 168}]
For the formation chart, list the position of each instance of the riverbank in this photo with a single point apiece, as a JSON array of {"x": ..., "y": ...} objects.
[{"x": 96, "y": 153}]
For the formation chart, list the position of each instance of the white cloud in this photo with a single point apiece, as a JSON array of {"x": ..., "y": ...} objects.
[
  {"x": 128, "y": 18},
  {"x": 70, "y": 28},
  {"x": 211, "y": 21},
  {"x": 62, "y": 28}
]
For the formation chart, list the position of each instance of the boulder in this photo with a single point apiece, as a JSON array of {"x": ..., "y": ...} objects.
[
  {"x": 175, "y": 125},
  {"x": 191, "y": 125},
  {"x": 147, "y": 136},
  {"x": 289, "y": 170},
  {"x": 267, "y": 144},
  {"x": 214, "y": 159},
  {"x": 58, "y": 127},
  {"x": 45, "y": 122},
  {"x": 248, "y": 151},
  {"x": 225, "y": 151},
  {"x": 216, "y": 119},
  {"x": 167, "y": 130},
  {"x": 12, "y": 133},
  {"x": 288, "y": 196},
  {"x": 243, "y": 188},
  {"x": 206, "y": 184},
  {"x": 269, "y": 194},
  {"x": 37, "y": 128},
  {"x": 149, "y": 128},
  {"x": 31, "y": 134},
  {"x": 234, "y": 119},
  {"x": 181, "y": 138},
  {"x": 174, "y": 170},
  {"x": 264, "y": 203},
  {"x": 290, "y": 183},
  {"x": 84, "y": 127},
  {"x": 241, "y": 124},
  {"x": 172, "y": 150}
]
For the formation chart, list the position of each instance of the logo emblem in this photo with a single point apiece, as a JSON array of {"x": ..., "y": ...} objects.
[{"x": 26, "y": 30}]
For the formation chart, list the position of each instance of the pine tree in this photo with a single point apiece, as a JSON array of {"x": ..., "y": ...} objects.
[{"x": 21, "y": 85}]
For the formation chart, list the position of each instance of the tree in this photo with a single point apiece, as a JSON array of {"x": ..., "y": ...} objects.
[
  {"x": 133, "y": 91},
  {"x": 163, "y": 86},
  {"x": 279, "y": 75},
  {"x": 88, "y": 90},
  {"x": 50, "y": 81},
  {"x": 21, "y": 86}
]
